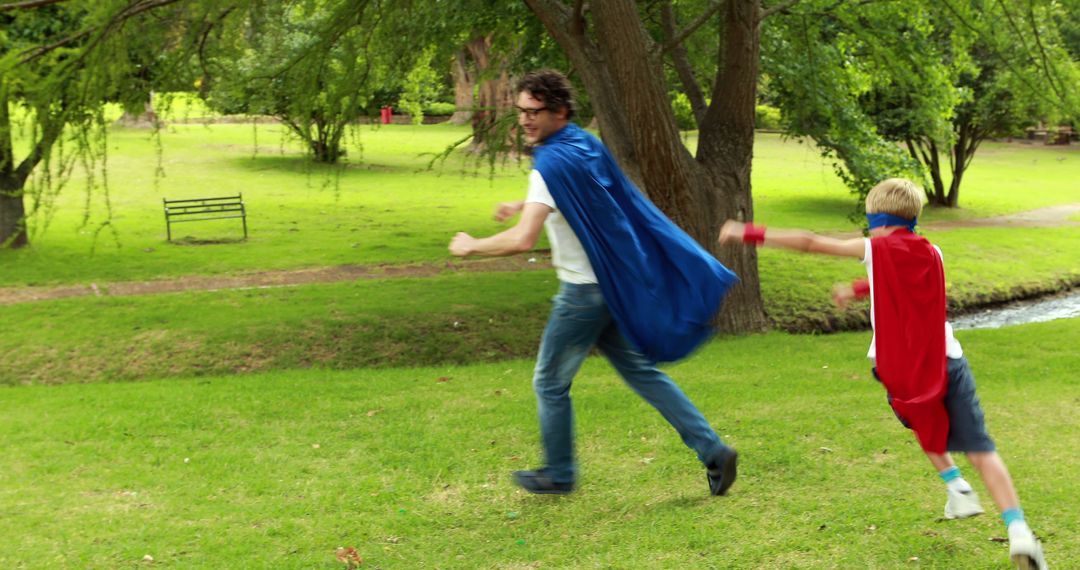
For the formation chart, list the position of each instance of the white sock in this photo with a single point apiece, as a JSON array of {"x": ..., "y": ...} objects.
[{"x": 959, "y": 485}]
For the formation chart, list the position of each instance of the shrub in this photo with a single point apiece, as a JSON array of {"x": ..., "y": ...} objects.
[
  {"x": 439, "y": 108},
  {"x": 766, "y": 117},
  {"x": 684, "y": 115}
]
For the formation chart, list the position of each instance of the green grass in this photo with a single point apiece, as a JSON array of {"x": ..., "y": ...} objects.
[
  {"x": 385, "y": 207},
  {"x": 327, "y": 440},
  {"x": 454, "y": 318},
  {"x": 395, "y": 322},
  {"x": 410, "y": 466}
]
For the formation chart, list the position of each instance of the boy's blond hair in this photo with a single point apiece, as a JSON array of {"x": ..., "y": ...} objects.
[{"x": 896, "y": 196}]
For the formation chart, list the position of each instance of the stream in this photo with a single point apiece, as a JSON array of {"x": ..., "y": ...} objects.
[{"x": 1061, "y": 306}]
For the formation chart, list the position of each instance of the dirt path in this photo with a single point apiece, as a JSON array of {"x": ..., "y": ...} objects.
[
  {"x": 1055, "y": 216},
  {"x": 1052, "y": 217}
]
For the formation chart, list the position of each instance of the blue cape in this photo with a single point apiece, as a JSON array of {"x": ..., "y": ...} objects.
[{"x": 662, "y": 288}]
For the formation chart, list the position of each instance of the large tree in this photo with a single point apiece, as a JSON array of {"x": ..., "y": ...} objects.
[
  {"x": 619, "y": 58},
  {"x": 871, "y": 83},
  {"x": 60, "y": 64},
  {"x": 314, "y": 65}
]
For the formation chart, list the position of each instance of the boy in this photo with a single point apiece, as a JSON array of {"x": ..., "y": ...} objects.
[{"x": 916, "y": 357}]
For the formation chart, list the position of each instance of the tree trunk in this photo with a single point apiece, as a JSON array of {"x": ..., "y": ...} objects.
[
  {"x": 726, "y": 150},
  {"x": 464, "y": 85},
  {"x": 148, "y": 119},
  {"x": 12, "y": 214},
  {"x": 12, "y": 209},
  {"x": 929, "y": 156},
  {"x": 625, "y": 82},
  {"x": 494, "y": 96},
  {"x": 963, "y": 151},
  {"x": 959, "y": 166}
]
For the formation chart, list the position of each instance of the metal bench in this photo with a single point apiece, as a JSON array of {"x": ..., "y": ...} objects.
[{"x": 199, "y": 209}]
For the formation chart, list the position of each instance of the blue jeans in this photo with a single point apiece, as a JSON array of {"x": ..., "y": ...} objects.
[{"x": 580, "y": 320}]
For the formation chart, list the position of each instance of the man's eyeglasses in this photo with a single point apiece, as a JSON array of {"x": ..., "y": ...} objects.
[{"x": 530, "y": 113}]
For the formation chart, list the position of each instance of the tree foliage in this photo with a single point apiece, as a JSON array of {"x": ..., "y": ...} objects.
[
  {"x": 886, "y": 89},
  {"x": 60, "y": 63},
  {"x": 315, "y": 65}
]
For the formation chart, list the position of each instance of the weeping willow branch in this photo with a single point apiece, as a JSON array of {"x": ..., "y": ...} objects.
[
  {"x": 28, "y": 4},
  {"x": 131, "y": 11}
]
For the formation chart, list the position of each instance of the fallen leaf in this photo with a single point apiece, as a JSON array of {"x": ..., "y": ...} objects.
[
  {"x": 315, "y": 446},
  {"x": 148, "y": 558},
  {"x": 998, "y": 539},
  {"x": 349, "y": 557},
  {"x": 373, "y": 412},
  {"x": 443, "y": 379}
]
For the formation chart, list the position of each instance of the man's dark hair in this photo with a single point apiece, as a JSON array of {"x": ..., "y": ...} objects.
[{"x": 551, "y": 87}]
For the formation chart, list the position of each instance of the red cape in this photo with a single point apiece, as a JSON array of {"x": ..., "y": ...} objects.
[{"x": 909, "y": 327}]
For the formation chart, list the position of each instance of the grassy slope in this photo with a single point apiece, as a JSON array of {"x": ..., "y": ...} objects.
[
  {"x": 452, "y": 318},
  {"x": 410, "y": 466}
]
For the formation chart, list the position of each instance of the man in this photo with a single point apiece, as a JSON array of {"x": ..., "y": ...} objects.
[{"x": 631, "y": 284}]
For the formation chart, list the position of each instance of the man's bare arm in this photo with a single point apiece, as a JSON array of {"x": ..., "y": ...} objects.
[{"x": 522, "y": 237}]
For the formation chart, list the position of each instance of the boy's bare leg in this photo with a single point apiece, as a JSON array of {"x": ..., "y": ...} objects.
[
  {"x": 941, "y": 461},
  {"x": 962, "y": 501},
  {"x": 996, "y": 478},
  {"x": 1025, "y": 550}
]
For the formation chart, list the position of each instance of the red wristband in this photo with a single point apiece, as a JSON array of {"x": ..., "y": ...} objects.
[
  {"x": 753, "y": 234},
  {"x": 861, "y": 287}
]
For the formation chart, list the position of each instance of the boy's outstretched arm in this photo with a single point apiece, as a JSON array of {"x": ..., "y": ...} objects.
[{"x": 798, "y": 240}]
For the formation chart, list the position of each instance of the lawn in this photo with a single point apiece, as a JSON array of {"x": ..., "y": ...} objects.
[
  {"x": 410, "y": 466},
  {"x": 271, "y": 426},
  {"x": 385, "y": 206}
]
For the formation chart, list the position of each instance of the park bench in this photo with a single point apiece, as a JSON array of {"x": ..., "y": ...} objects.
[{"x": 199, "y": 209}]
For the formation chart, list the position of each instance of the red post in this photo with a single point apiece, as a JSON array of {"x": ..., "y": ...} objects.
[{"x": 386, "y": 114}]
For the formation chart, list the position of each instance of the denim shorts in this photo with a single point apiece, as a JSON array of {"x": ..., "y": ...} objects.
[{"x": 967, "y": 426}]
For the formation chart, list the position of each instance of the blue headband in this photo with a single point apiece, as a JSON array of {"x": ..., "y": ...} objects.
[{"x": 882, "y": 219}]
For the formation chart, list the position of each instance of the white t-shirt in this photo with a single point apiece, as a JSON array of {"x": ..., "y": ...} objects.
[
  {"x": 952, "y": 346},
  {"x": 569, "y": 258}
]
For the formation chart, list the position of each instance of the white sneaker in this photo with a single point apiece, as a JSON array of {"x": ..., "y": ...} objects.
[
  {"x": 1024, "y": 549},
  {"x": 962, "y": 504}
]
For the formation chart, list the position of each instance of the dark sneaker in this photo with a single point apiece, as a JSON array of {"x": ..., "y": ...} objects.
[
  {"x": 540, "y": 483},
  {"x": 721, "y": 471}
]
